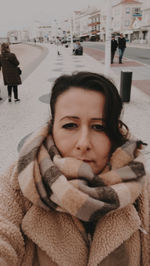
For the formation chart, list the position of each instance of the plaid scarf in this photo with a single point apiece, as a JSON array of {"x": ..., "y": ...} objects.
[{"x": 69, "y": 185}]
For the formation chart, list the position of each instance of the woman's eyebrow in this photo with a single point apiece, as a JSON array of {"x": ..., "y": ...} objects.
[
  {"x": 69, "y": 117},
  {"x": 77, "y": 118}
]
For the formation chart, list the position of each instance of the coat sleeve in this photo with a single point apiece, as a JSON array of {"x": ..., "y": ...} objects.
[
  {"x": 12, "y": 246},
  {"x": 125, "y": 43},
  {"x": 13, "y": 59},
  {"x": 144, "y": 213}
]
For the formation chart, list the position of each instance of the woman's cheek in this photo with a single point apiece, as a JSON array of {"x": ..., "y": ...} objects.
[{"x": 62, "y": 143}]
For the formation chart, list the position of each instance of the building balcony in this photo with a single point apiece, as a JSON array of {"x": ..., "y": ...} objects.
[
  {"x": 94, "y": 24},
  {"x": 84, "y": 34},
  {"x": 95, "y": 32}
]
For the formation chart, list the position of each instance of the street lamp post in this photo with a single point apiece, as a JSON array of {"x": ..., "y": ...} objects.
[
  {"x": 71, "y": 35},
  {"x": 108, "y": 37},
  {"x": 56, "y": 35}
]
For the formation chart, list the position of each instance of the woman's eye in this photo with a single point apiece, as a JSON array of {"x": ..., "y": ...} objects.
[
  {"x": 70, "y": 125},
  {"x": 98, "y": 127}
]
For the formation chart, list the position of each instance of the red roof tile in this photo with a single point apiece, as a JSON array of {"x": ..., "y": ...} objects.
[{"x": 130, "y": 2}]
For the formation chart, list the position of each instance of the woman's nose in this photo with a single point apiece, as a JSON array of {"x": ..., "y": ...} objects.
[{"x": 83, "y": 142}]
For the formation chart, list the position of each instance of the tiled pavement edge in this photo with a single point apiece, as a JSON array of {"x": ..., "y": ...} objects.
[{"x": 19, "y": 119}]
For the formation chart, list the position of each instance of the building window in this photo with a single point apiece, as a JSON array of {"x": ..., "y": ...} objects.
[
  {"x": 136, "y": 11},
  {"x": 127, "y": 10}
]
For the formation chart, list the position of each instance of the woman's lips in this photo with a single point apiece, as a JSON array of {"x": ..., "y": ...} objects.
[{"x": 88, "y": 161}]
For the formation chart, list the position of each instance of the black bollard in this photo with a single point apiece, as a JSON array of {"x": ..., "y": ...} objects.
[{"x": 125, "y": 85}]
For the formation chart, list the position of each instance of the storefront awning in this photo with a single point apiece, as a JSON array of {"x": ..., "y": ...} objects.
[
  {"x": 84, "y": 35},
  {"x": 145, "y": 28},
  {"x": 128, "y": 32}
]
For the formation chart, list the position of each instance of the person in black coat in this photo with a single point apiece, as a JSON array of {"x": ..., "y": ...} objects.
[
  {"x": 78, "y": 49},
  {"x": 121, "y": 47},
  {"x": 9, "y": 64},
  {"x": 114, "y": 46}
]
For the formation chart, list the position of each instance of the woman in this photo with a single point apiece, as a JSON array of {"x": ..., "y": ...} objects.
[
  {"x": 78, "y": 194},
  {"x": 11, "y": 76}
]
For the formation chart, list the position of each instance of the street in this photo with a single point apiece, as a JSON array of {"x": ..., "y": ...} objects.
[
  {"x": 139, "y": 54},
  {"x": 140, "y": 70}
]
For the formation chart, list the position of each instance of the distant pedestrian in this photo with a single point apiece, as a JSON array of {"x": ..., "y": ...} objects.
[
  {"x": 9, "y": 64},
  {"x": 78, "y": 49},
  {"x": 34, "y": 40},
  {"x": 121, "y": 47},
  {"x": 58, "y": 43},
  {"x": 75, "y": 47},
  {"x": 114, "y": 46},
  {"x": 0, "y": 96}
]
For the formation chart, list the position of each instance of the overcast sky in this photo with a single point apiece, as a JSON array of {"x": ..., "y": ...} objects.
[{"x": 19, "y": 14}]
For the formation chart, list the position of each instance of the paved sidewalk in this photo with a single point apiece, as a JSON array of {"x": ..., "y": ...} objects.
[{"x": 20, "y": 119}]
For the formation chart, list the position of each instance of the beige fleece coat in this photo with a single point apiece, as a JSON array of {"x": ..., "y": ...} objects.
[{"x": 31, "y": 236}]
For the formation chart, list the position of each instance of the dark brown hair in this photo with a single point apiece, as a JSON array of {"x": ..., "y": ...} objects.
[
  {"x": 5, "y": 48},
  {"x": 115, "y": 129}
]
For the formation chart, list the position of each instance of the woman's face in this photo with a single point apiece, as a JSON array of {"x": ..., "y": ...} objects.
[{"x": 79, "y": 128}]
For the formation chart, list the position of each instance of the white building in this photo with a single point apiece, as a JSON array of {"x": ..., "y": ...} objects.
[
  {"x": 14, "y": 36},
  {"x": 40, "y": 31},
  {"x": 86, "y": 23},
  {"x": 146, "y": 21},
  {"x": 124, "y": 14},
  {"x": 94, "y": 25},
  {"x": 76, "y": 23},
  {"x": 66, "y": 28},
  {"x": 103, "y": 18}
]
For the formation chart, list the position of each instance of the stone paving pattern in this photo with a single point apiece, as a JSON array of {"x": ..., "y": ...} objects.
[{"x": 20, "y": 119}]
